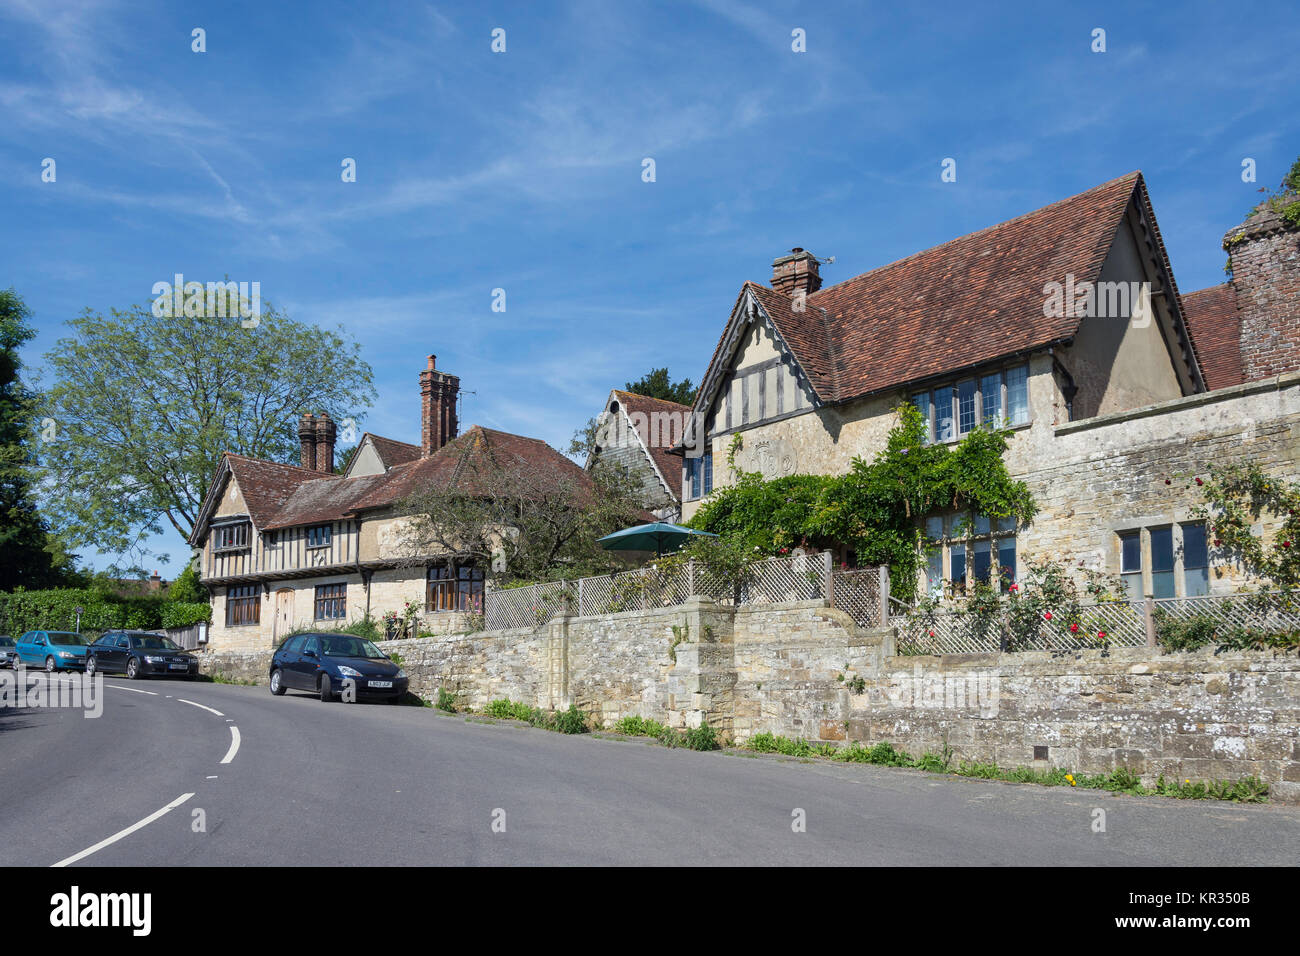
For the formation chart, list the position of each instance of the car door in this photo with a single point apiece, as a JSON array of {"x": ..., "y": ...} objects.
[
  {"x": 38, "y": 649},
  {"x": 289, "y": 657},
  {"x": 23, "y": 646},
  {"x": 122, "y": 652},
  {"x": 308, "y": 660}
]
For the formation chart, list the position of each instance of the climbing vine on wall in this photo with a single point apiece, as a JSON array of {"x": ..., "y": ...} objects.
[
  {"x": 1236, "y": 497},
  {"x": 877, "y": 507}
]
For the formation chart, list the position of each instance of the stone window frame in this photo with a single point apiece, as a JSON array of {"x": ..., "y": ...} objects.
[
  {"x": 960, "y": 529},
  {"x": 981, "y": 417},
  {"x": 1144, "y": 527}
]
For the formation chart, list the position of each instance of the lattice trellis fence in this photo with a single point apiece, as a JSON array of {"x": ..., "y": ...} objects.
[
  {"x": 1261, "y": 611},
  {"x": 524, "y": 607},
  {"x": 859, "y": 593}
]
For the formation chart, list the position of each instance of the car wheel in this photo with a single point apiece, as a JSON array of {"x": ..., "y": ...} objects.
[
  {"x": 277, "y": 684},
  {"x": 50, "y": 666},
  {"x": 325, "y": 693},
  {"x": 90, "y": 667},
  {"x": 132, "y": 668}
]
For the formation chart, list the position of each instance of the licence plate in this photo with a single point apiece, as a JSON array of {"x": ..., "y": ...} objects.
[
  {"x": 179, "y": 667},
  {"x": 381, "y": 683}
]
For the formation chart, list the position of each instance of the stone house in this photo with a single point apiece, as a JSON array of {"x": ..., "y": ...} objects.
[
  {"x": 1064, "y": 325},
  {"x": 636, "y": 433},
  {"x": 287, "y": 546}
]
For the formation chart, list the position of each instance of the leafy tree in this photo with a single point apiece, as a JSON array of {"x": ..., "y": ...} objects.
[
  {"x": 657, "y": 384},
  {"x": 29, "y": 556},
  {"x": 186, "y": 588},
  {"x": 524, "y": 523},
  {"x": 144, "y": 406}
]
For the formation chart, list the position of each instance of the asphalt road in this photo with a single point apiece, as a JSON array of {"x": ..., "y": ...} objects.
[{"x": 335, "y": 784}]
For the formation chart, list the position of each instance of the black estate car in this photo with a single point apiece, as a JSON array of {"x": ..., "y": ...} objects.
[
  {"x": 139, "y": 654},
  {"x": 324, "y": 664}
]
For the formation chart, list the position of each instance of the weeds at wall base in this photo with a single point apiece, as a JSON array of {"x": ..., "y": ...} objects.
[{"x": 1245, "y": 790}]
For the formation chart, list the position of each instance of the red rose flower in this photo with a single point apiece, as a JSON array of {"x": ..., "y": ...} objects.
[
  {"x": 1074, "y": 628},
  {"x": 1199, "y": 482},
  {"x": 1102, "y": 635},
  {"x": 1047, "y": 615},
  {"x": 1013, "y": 587},
  {"x": 1167, "y": 481},
  {"x": 1217, "y": 542},
  {"x": 932, "y": 633}
]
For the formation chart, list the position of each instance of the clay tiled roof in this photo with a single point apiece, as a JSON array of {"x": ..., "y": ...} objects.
[
  {"x": 392, "y": 452},
  {"x": 972, "y": 300},
  {"x": 282, "y": 496},
  {"x": 670, "y": 466},
  {"x": 267, "y": 485},
  {"x": 465, "y": 462},
  {"x": 1215, "y": 328}
]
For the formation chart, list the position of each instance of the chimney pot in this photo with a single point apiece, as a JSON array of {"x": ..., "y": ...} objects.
[
  {"x": 326, "y": 432},
  {"x": 307, "y": 438},
  {"x": 438, "y": 408},
  {"x": 797, "y": 272}
]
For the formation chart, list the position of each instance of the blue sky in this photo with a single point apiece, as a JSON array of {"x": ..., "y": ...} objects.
[{"x": 522, "y": 170}]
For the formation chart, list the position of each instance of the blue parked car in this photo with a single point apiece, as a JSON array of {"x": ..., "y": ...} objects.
[
  {"x": 52, "y": 650},
  {"x": 323, "y": 664}
]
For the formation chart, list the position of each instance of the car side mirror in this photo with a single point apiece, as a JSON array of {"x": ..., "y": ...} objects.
[{"x": 308, "y": 653}]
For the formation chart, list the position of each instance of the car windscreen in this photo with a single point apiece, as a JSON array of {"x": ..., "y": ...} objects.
[
  {"x": 153, "y": 642},
  {"x": 66, "y": 638},
  {"x": 6, "y": 642},
  {"x": 336, "y": 645}
]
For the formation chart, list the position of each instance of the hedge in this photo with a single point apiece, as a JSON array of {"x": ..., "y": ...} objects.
[{"x": 55, "y": 609}]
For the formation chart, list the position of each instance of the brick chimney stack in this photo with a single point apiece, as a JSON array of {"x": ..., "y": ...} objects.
[
  {"x": 326, "y": 431},
  {"x": 797, "y": 272},
  {"x": 1265, "y": 251},
  {"x": 438, "y": 399},
  {"x": 307, "y": 437}
]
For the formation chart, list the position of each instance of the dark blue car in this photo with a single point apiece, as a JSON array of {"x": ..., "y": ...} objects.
[{"x": 332, "y": 665}]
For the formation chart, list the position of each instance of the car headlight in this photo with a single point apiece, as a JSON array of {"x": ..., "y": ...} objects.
[
  {"x": 66, "y": 654},
  {"x": 401, "y": 673},
  {"x": 153, "y": 660},
  {"x": 348, "y": 671}
]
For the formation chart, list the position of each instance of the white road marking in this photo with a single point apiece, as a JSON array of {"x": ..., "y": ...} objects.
[
  {"x": 234, "y": 745},
  {"x": 127, "y": 832},
  {"x": 134, "y": 690},
  {"x": 212, "y": 777},
  {"x": 200, "y": 706}
]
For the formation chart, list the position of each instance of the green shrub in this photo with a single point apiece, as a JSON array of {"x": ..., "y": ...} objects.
[
  {"x": 571, "y": 721},
  {"x": 702, "y": 737},
  {"x": 184, "y": 613},
  {"x": 446, "y": 700}
]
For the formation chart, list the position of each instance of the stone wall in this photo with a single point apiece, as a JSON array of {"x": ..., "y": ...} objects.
[
  {"x": 1191, "y": 715},
  {"x": 803, "y": 670}
]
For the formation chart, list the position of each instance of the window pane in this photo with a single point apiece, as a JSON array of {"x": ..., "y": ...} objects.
[
  {"x": 991, "y": 400},
  {"x": 708, "y": 471},
  {"x": 1007, "y": 524},
  {"x": 922, "y": 402},
  {"x": 1162, "y": 584},
  {"x": 1162, "y": 550},
  {"x": 981, "y": 524},
  {"x": 1018, "y": 395},
  {"x": 966, "y": 406},
  {"x": 1007, "y": 560},
  {"x": 934, "y": 572},
  {"x": 934, "y": 528},
  {"x": 945, "y": 426},
  {"x": 1130, "y": 551},
  {"x": 957, "y": 566},
  {"x": 1133, "y": 585},
  {"x": 1196, "y": 561},
  {"x": 983, "y": 560}
]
